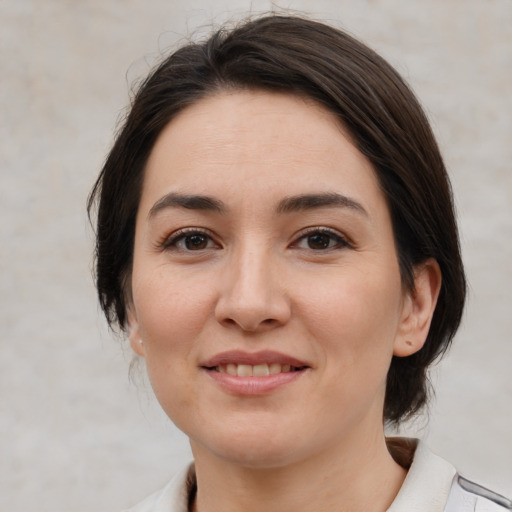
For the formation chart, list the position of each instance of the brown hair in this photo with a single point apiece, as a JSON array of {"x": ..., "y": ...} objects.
[{"x": 299, "y": 56}]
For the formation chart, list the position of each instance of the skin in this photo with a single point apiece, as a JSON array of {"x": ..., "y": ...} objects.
[{"x": 254, "y": 277}]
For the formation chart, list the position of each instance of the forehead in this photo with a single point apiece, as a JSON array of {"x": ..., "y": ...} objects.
[{"x": 257, "y": 142}]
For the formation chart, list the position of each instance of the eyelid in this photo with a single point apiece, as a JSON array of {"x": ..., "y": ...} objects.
[
  {"x": 169, "y": 241},
  {"x": 343, "y": 240}
]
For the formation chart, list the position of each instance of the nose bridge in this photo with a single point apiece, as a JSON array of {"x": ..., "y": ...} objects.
[{"x": 252, "y": 297}]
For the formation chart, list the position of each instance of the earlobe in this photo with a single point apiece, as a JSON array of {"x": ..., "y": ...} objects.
[
  {"x": 134, "y": 333},
  {"x": 418, "y": 309}
]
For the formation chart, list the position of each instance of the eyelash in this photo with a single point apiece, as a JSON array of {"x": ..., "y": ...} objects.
[
  {"x": 172, "y": 241},
  {"x": 340, "y": 242}
]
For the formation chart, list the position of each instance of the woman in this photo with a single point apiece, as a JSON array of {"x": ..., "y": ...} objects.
[{"x": 276, "y": 236}]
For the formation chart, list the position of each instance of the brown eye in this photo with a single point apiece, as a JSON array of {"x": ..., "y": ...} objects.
[
  {"x": 189, "y": 240},
  {"x": 322, "y": 239},
  {"x": 195, "y": 242},
  {"x": 319, "y": 241}
]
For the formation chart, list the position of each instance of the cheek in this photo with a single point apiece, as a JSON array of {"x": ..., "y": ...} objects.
[
  {"x": 356, "y": 317},
  {"x": 171, "y": 313},
  {"x": 170, "y": 309}
]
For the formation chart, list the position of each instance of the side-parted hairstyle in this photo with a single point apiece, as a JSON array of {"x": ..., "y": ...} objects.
[{"x": 293, "y": 55}]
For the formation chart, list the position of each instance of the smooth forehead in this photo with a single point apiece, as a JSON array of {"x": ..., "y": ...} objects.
[
  {"x": 265, "y": 137},
  {"x": 250, "y": 118},
  {"x": 257, "y": 105},
  {"x": 238, "y": 120}
]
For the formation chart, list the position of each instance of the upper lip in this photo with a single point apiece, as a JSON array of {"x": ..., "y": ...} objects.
[{"x": 252, "y": 358}]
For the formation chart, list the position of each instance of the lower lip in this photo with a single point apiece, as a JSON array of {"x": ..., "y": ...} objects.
[{"x": 254, "y": 386}]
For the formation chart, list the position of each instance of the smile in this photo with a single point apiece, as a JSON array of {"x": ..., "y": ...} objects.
[
  {"x": 244, "y": 374},
  {"x": 258, "y": 370}
]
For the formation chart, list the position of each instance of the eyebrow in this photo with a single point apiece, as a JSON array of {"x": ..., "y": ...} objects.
[
  {"x": 290, "y": 204},
  {"x": 322, "y": 200},
  {"x": 188, "y": 201}
]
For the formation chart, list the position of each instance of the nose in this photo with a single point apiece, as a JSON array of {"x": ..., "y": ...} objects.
[{"x": 252, "y": 297}]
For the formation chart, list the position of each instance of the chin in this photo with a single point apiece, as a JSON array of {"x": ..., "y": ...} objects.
[
  {"x": 259, "y": 457},
  {"x": 252, "y": 448}
]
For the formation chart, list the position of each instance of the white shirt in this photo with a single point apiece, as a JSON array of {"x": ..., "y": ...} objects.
[{"x": 431, "y": 485}]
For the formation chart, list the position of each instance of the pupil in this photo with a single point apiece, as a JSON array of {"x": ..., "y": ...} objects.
[
  {"x": 319, "y": 241},
  {"x": 195, "y": 242}
]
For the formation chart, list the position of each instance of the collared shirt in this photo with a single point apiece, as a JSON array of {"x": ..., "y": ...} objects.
[{"x": 431, "y": 485}]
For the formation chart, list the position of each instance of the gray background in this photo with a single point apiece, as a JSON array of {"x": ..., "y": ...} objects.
[{"x": 74, "y": 433}]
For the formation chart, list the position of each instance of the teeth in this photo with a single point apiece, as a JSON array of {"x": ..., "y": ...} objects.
[
  {"x": 244, "y": 370},
  {"x": 231, "y": 369},
  {"x": 258, "y": 370},
  {"x": 274, "y": 368}
]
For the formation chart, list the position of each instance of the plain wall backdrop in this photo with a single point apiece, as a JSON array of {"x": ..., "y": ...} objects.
[{"x": 75, "y": 434}]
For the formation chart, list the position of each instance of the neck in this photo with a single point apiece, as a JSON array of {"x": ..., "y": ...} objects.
[{"x": 343, "y": 479}]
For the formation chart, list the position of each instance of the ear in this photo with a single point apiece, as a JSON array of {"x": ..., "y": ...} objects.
[
  {"x": 418, "y": 309},
  {"x": 134, "y": 333}
]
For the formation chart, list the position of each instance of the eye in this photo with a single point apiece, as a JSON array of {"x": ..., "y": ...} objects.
[
  {"x": 189, "y": 240},
  {"x": 321, "y": 239}
]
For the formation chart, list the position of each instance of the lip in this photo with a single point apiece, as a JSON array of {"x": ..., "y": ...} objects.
[
  {"x": 252, "y": 358},
  {"x": 253, "y": 386}
]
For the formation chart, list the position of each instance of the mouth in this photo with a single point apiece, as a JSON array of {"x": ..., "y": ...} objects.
[
  {"x": 254, "y": 364},
  {"x": 244, "y": 373},
  {"x": 257, "y": 370}
]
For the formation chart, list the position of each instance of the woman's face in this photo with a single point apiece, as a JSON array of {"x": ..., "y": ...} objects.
[{"x": 264, "y": 246}]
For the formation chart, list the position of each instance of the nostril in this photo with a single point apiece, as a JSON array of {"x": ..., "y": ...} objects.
[{"x": 250, "y": 324}]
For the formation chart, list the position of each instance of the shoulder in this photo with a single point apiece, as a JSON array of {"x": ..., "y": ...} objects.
[
  {"x": 174, "y": 497},
  {"x": 428, "y": 481},
  {"x": 469, "y": 496},
  {"x": 433, "y": 484}
]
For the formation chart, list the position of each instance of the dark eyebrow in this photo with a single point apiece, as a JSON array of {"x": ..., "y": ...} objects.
[
  {"x": 321, "y": 200},
  {"x": 188, "y": 201}
]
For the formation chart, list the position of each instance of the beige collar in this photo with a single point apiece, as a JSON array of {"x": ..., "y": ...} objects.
[{"x": 428, "y": 481}]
